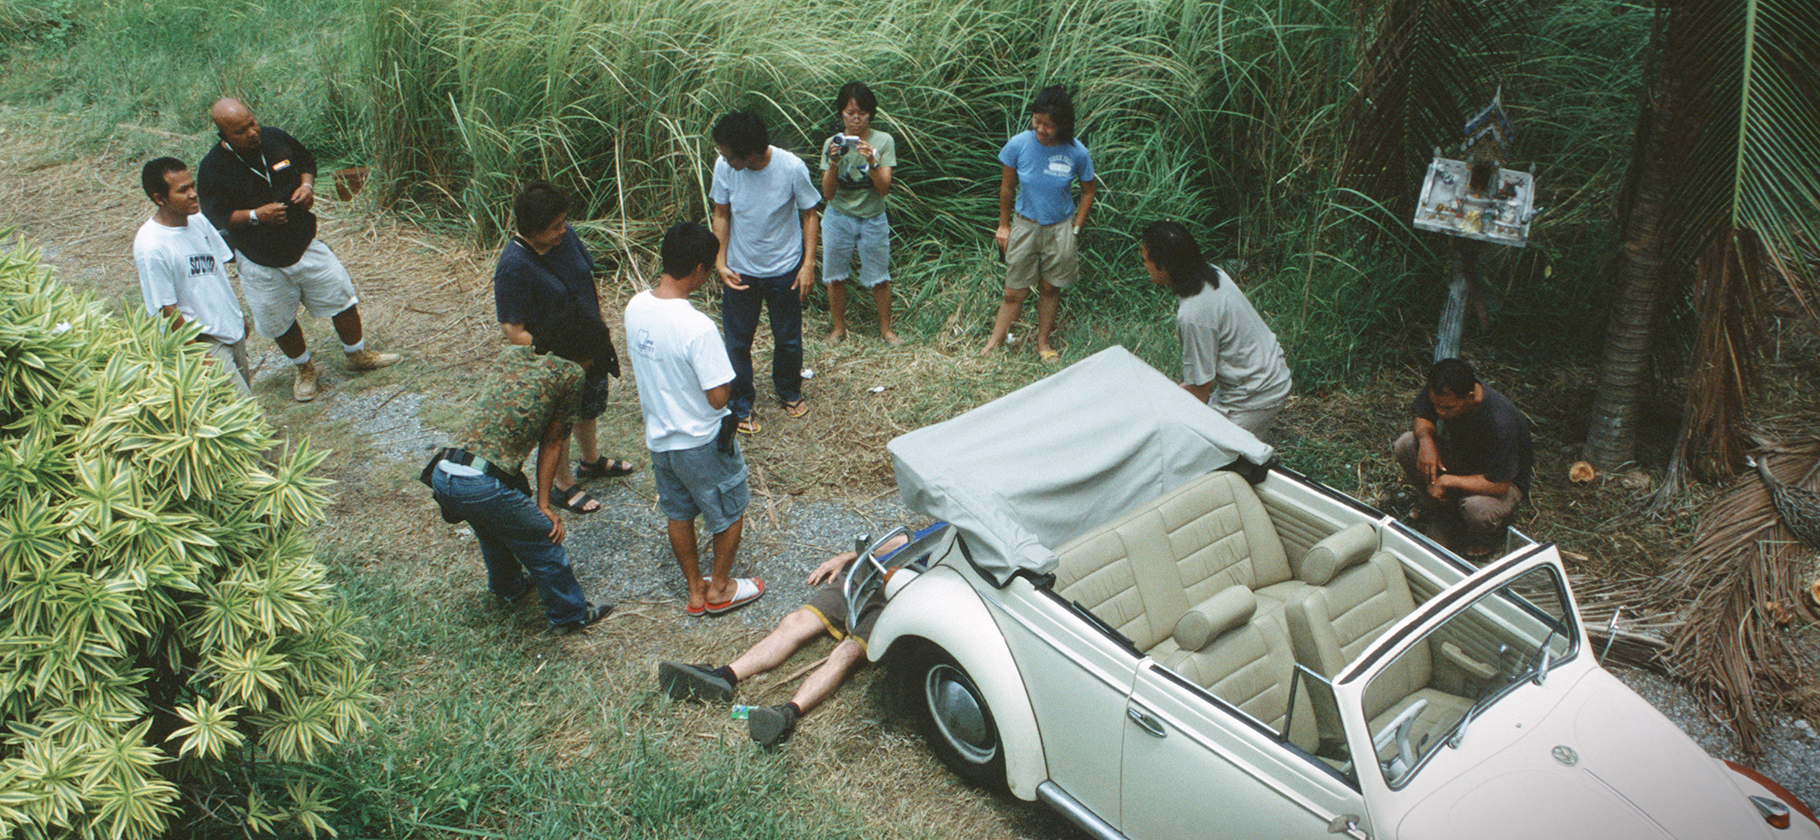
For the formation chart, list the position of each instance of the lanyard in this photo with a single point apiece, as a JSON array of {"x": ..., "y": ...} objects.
[{"x": 263, "y": 173}]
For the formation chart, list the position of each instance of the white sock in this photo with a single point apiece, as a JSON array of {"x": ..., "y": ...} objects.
[
  {"x": 356, "y": 346},
  {"x": 302, "y": 360}
]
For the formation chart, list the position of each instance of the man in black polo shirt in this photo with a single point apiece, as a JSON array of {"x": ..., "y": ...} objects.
[
  {"x": 257, "y": 186},
  {"x": 1469, "y": 454}
]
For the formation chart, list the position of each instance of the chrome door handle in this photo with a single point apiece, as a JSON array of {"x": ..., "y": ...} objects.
[{"x": 1150, "y": 724}]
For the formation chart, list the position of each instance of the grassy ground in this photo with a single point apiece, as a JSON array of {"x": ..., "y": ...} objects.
[{"x": 487, "y": 728}]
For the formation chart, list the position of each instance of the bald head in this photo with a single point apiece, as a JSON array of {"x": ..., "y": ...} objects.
[{"x": 236, "y": 124}]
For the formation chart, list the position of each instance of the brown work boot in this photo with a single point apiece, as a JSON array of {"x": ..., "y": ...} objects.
[
  {"x": 369, "y": 360},
  {"x": 304, "y": 389}
]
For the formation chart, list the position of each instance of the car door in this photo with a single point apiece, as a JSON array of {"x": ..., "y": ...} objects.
[
  {"x": 1078, "y": 673},
  {"x": 1194, "y": 766},
  {"x": 1510, "y": 619}
]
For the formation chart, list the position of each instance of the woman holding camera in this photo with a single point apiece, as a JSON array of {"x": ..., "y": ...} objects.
[
  {"x": 856, "y": 177},
  {"x": 1039, "y": 166}
]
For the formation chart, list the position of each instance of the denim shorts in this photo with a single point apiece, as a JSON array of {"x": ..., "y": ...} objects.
[
  {"x": 702, "y": 482},
  {"x": 843, "y": 236}
]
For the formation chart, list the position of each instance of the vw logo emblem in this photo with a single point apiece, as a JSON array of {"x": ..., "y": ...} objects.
[{"x": 1566, "y": 755}]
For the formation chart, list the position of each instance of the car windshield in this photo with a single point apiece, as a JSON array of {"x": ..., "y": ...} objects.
[{"x": 1429, "y": 695}]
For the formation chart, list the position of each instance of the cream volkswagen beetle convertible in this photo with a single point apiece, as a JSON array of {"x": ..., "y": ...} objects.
[{"x": 1139, "y": 619}]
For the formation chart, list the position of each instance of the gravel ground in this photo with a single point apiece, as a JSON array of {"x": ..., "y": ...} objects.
[{"x": 623, "y": 554}]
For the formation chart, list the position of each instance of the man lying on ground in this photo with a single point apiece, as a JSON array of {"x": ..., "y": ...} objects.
[{"x": 826, "y": 612}]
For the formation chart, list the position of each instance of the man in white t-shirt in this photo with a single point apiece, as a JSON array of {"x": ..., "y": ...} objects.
[
  {"x": 764, "y": 216},
  {"x": 182, "y": 264},
  {"x": 684, "y": 383}
]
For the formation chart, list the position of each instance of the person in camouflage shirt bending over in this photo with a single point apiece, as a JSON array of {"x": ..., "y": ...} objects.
[{"x": 530, "y": 402}]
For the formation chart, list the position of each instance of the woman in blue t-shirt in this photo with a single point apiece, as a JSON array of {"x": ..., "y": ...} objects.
[{"x": 1039, "y": 166}]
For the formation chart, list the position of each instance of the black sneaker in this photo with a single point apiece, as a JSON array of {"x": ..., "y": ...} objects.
[
  {"x": 595, "y": 613},
  {"x": 680, "y": 681},
  {"x": 771, "y": 725},
  {"x": 504, "y": 603}
]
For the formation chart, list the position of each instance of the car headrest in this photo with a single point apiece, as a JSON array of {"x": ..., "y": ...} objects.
[
  {"x": 1213, "y": 617},
  {"x": 1329, "y": 556}
]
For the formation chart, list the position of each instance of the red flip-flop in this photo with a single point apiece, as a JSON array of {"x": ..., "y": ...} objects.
[{"x": 746, "y": 590}]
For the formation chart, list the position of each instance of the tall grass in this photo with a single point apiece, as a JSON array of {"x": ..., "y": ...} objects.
[
  {"x": 1221, "y": 113},
  {"x": 160, "y": 65}
]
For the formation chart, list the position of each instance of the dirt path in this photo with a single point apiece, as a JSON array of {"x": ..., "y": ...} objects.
[{"x": 816, "y": 482}]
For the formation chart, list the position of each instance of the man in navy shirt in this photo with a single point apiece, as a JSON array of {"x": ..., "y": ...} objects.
[
  {"x": 1469, "y": 454},
  {"x": 544, "y": 275},
  {"x": 257, "y": 187}
]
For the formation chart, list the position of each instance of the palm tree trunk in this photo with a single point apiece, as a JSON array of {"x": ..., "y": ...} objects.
[{"x": 1642, "y": 281}]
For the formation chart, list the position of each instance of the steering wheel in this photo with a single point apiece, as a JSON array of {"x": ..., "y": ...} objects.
[
  {"x": 1398, "y": 730},
  {"x": 866, "y": 576}
]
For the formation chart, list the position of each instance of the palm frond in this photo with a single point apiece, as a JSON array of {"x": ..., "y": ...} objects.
[
  {"x": 1744, "y": 575},
  {"x": 1753, "y": 125},
  {"x": 1745, "y": 197}
]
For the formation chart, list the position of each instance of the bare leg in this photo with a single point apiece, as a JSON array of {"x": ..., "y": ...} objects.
[
  {"x": 721, "y": 588},
  {"x": 1048, "y": 300},
  {"x": 347, "y": 325},
  {"x": 587, "y": 439},
  {"x": 881, "y": 301},
  {"x": 565, "y": 474},
  {"x": 291, "y": 344},
  {"x": 1011, "y": 306},
  {"x": 828, "y": 677},
  {"x": 682, "y": 544},
  {"x": 796, "y": 630},
  {"x": 837, "y": 310}
]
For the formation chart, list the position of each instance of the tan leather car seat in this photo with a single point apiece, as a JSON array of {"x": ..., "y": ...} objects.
[
  {"x": 1243, "y": 658},
  {"x": 1356, "y": 593}
]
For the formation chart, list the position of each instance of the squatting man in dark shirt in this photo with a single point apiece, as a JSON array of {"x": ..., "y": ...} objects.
[{"x": 1468, "y": 454}]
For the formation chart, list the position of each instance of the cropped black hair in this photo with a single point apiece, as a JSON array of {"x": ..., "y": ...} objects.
[
  {"x": 152, "y": 176},
  {"x": 1452, "y": 376},
  {"x": 742, "y": 133},
  {"x": 1055, "y": 101},
  {"x": 859, "y": 94},
  {"x": 1173, "y": 249},
  {"x": 687, "y": 245},
  {"x": 537, "y": 206}
]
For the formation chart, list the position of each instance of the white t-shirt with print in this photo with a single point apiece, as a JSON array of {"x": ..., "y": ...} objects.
[
  {"x": 187, "y": 267},
  {"x": 766, "y": 205},
  {"x": 677, "y": 356}
]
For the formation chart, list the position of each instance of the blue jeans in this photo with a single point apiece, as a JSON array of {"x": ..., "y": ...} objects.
[
  {"x": 739, "y": 317},
  {"x": 514, "y": 539}
]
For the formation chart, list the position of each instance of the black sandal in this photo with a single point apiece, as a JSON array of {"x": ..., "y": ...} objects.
[
  {"x": 603, "y": 468},
  {"x": 574, "y": 498}
]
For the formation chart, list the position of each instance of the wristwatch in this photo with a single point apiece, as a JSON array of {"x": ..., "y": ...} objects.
[{"x": 253, "y": 216}]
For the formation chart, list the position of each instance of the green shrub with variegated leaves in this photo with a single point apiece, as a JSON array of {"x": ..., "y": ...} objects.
[{"x": 172, "y": 654}]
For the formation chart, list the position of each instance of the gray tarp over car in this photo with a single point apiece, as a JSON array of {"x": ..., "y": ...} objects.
[{"x": 1030, "y": 471}]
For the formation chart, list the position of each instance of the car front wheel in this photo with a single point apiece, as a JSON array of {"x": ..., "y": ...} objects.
[{"x": 956, "y": 720}]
